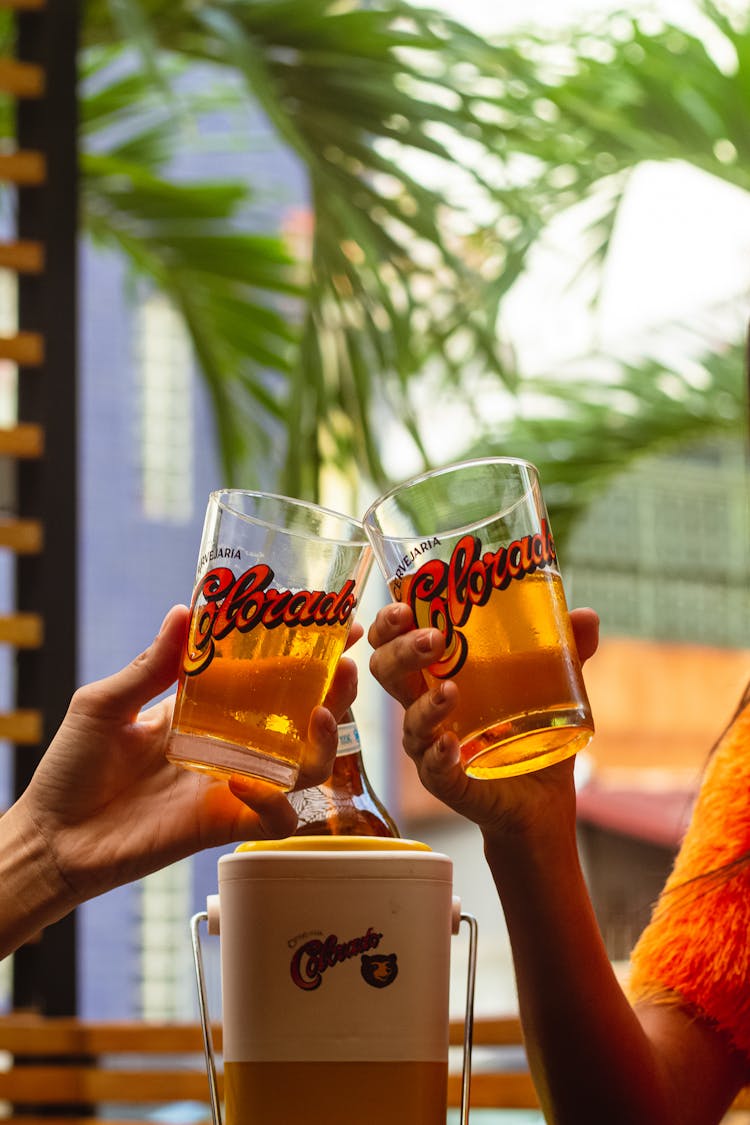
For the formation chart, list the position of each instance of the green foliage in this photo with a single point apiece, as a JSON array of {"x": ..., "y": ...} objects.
[
  {"x": 434, "y": 160},
  {"x": 187, "y": 239},
  {"x": 596, "y": 105},
  {"x": 603, "y": 424},
  {"x": 388, "y": 282}
]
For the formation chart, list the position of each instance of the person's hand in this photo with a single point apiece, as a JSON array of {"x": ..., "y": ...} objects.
[
  {"x": 499, "y": 806},
  {"x": 111, "y": 808}
]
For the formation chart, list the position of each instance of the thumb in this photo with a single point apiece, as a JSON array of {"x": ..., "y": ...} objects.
[{"x": 121, "y": 696}]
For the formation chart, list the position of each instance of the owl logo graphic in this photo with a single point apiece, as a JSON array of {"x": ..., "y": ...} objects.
[{"x": 379, "y": 969}]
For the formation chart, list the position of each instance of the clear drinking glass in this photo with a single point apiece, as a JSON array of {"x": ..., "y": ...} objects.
[
  {"x": 470, "y": 549},
  {"x": 276, "y": 587}
]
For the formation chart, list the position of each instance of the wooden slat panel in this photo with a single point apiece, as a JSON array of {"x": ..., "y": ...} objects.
[
  {"x": 22, "y": 630},
  {"x": 25, "y": 537},
  {"x": 44, "y": 1085},
  {"x": 187, "y": 1117},
  {"x": 22, "y": 727},
  {"x": 175, "y": 1118},
  {"x": 39, "y": 1036},
  {"x": 25, "y": 168},
  {"x": 515, "y": 1090},
  {"x": 495, "y": 1031},
  {"x": 22, "y": 256},
  {"x": 46, "y": 204},
  {"x": 24, "y": 440},
  {"x": 24, "y": 348},
  {"x": 509, "y": 1090},
  {"x": 21, "y": 79}
]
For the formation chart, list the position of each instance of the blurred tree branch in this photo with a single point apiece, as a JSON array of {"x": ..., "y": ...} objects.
[{"x": 434, "y": 163}]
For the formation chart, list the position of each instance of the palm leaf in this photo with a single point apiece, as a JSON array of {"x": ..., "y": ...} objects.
[
  {"x": 188, "y": 239},
  {"x": 586, "y": 431},
  {"x": 347, "y": 90},
  {"x": 404, "y": 275}
]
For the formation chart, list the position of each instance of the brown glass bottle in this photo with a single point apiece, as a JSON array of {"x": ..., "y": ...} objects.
[{"x": 346, "y": 804}]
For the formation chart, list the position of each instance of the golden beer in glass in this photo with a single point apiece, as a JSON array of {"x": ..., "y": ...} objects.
[
  {"x": 469, "y": 548},
  {"x": 277, "y": 584}
]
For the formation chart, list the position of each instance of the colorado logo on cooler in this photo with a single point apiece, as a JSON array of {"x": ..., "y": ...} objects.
[{"x": 315, "y": 957}]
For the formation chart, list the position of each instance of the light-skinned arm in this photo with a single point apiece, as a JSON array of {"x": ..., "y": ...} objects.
[
  {"x": 105, "y": 806},
  {"x": 594, "y": 1058}
]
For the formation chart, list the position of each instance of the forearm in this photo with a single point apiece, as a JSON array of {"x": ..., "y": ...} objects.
[
  {"x": 33, "y": 892},
  {"x": 587, "y": 1050}
]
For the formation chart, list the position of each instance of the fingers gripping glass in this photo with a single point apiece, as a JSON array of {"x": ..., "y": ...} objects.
[
  {"x": 276, "y": 587},
  {"x": 470, "y": 549}
]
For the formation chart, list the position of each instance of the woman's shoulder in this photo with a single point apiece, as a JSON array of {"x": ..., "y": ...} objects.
[{"x": 696, "y": 949}]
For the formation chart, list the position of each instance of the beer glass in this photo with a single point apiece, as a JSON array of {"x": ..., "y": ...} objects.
[
  {"x": 470, "y": 549},
  {"x": 276, "y": 587}
]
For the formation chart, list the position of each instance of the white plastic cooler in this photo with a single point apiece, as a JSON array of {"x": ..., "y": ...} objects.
[{"x": 335, "y": 968}]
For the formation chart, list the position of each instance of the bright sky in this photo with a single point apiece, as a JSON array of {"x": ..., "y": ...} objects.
[
  {"x": 682, "y": 245},
  {"x": 684, "y": 238},
  {"x": 491, "y": 16}
]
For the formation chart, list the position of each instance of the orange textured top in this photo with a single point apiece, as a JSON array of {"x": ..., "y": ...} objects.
[{"x": 696, "y": 948}]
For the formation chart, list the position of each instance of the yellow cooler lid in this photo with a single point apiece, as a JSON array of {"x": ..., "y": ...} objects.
[{"x": 334, "y": 844}]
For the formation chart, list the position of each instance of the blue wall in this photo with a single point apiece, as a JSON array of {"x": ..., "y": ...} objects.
[{"x": 131, "y": 569}]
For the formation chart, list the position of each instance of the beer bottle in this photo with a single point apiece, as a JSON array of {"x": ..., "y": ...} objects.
[{"x": 345, "y": 804}]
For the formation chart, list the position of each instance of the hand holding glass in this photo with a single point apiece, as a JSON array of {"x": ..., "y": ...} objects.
[
  {"x": 276, "y": 587},
  {"x": 470, "y": 549}
]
